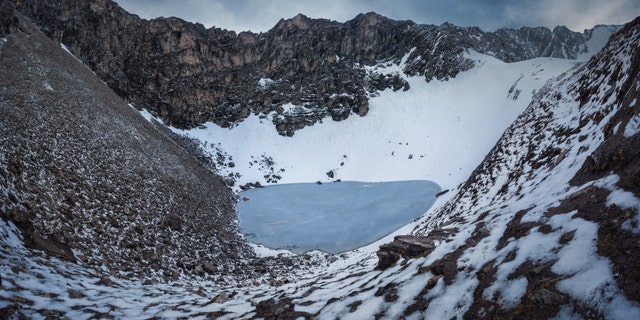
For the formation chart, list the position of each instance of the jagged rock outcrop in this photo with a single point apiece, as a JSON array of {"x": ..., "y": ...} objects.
[
  {"x": 188, "y": 75},
  {"x": 512, "y": 45}
]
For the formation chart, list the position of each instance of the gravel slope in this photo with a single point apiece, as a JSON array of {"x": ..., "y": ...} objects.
[{"x": 87, "y": 178}]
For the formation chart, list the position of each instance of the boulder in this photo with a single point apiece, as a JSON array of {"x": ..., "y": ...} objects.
[
  {"x": 409, "y": 247},
  {"x": 405, "y": 246}
]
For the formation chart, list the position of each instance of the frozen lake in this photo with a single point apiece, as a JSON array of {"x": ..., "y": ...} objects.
[{"x": 332, "y": 217}]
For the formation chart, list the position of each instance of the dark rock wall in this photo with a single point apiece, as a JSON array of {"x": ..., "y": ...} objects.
[{"x": 189, "y": 75}]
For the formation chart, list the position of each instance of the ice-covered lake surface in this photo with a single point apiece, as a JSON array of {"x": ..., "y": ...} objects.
[{"x": 332, "y": 217}]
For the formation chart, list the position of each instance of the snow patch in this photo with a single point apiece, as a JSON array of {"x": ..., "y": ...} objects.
[
  {"x": 626, "y": 200},
  {"x": 513, "y": 291},
  {"x": 10, "y": 236},
  {"x": 147, "y": 115},
  {"x": 590, "y": 278},
  {"x": 65, "y": 48},
  {"x": 633, "y": 126},
  {"x": 623, "y": 199},
  {"x": 263, "y": 252},
  {"x": 292, "y": 108},
  {"x": 567, "y": 313},
  {"x": 572, "y": 256},
  {"x": 388, "y": 67},
  {"x": 264, "y": 83},
  {"x": 346, "y": 95}
]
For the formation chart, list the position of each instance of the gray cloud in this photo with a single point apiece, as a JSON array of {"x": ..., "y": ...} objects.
[
  {"x": 262, "y": 15},
  {"x": 575, "y": 14}
]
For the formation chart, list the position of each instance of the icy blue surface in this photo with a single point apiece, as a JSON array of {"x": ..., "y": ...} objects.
[{"x": 333, "y": 217}]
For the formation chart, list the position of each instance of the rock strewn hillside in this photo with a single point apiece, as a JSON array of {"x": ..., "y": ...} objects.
[
  {"x": 87, "y": 179},
  {"x": 189, "y": 75}
]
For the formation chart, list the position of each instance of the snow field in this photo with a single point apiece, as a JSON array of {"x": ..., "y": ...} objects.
[{"x": 436, "y": 131}]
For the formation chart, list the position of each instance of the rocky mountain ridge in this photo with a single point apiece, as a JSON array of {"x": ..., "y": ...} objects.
[{"x": 188, "y": 75}]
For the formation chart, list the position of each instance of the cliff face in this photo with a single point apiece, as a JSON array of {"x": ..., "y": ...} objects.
[{"x": 189, "y": 75}]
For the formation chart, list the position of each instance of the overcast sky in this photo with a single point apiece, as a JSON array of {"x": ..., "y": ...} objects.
[{"x": 262, "y": 15}]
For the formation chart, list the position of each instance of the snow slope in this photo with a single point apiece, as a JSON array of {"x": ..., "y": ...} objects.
[
  {"x": 525, "y": 245},
  {"x": 435, "y": 131}
]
